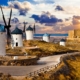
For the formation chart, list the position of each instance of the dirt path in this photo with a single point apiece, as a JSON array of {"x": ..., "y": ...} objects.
[{"x": 24, "y": 70}]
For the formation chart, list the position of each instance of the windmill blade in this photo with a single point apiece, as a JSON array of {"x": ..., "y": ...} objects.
[
  {"x": 8, "y": 33},
  {"x": 3, "y": 16},
  {"x": 8, "y": 36},
  {"x": 34, "y": 29},
  {"x": 10, "y": 17},
  {"x": 24, "y": 27},
  {"x": 49, "y": 36}
]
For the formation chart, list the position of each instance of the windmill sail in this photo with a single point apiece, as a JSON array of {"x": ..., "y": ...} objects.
[
  {"x": 24, "y": 27},
  {"x": 49, "y": 36},
  {"x": 34, "y": 29},
  {"x": 10, "y": 18},
  {"x": 7, "y": 26},
  {"x": 3, "y": 16}
]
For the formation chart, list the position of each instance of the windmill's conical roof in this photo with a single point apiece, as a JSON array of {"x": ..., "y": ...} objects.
[
  {"x": 29, "y": 28},
  {"x": 63, "y": 40},
  {"x": 17, "y": 31},
  {"x": 2, "y": 28},
  {"x": 46, "y": 34}
]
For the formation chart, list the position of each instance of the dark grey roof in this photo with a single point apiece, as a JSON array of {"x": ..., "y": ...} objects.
[
  {"x": 63, "y": 40},
  {"x": 17, "y": 31},
  {"x": 29, "y": 28},
  {"x": 2, "y": 28}
]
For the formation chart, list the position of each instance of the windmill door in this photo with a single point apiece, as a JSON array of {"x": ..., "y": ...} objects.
[{"x": 16, "y": 44}]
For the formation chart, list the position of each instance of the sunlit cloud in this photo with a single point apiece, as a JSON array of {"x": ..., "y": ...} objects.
[{"x": 57, "y": 16}]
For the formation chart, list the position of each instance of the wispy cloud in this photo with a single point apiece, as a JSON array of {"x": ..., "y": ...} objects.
[
  {"x": 59, "y": 8},
  {"x": 23, "y": 7}
]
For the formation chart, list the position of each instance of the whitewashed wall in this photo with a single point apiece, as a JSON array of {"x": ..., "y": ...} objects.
[
  {"x": 17, "y": 38},
  {"x": 46, "y": 38},
  {"x": 2, "y": 43},
  {"x": 29, "y": 35},
  {"x": 62, "y": 43}
]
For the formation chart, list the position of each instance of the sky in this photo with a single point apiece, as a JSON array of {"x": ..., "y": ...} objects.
[{"x": 49, "y": 16}]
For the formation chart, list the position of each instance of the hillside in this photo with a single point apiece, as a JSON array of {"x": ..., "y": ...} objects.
[
  {"x": 44, "y": 48},
  {"x": 69, "y": 69},
  {"x": 73, "y": 44}
]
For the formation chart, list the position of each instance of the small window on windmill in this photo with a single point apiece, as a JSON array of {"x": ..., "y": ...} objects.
[{"x": 16, "y": 38}]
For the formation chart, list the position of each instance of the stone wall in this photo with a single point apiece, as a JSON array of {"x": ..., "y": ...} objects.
[
  {"x": 74, "y": 35},
  {"x": 18, "y": 62}
]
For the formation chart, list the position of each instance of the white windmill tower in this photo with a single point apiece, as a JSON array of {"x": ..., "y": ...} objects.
[
  {"x": 46, "y": 37},
  {"x": 2, "y": 41},
  {"x": 29, "y": 33},
  {"x": 62, "y": 42},
  {"x": 16, "y": 36}
]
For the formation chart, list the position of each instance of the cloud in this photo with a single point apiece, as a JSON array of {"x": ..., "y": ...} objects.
[
  {"x": 15, "y": 20},
  {"x": 67, "y": 19},
  {"x": 67, "y": 28},
  {"x": 44, "y": 1},
  {"x": 56, "y": 13},
  {"x": 47, "y": 29},
  {"x": 49, "y": 24},
  {"x": 59, "y": 8},
  {"x": 23, "y": 7},
  {"x": 45, "y": 17},
  {"x": 76, "y": 20}
]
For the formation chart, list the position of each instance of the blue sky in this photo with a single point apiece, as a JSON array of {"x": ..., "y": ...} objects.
[
  {"x": 52, "y": 16},
  {"x": 3, "y": 2}
]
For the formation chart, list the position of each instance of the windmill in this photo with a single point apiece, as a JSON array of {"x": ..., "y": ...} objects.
[
  {"x": 24, "y": 26},
  {"x": 12, "y": 42},
  {"x": 49, "y": 36},
  {"x": 7, "y": 26},
  {"x": 34, "y": 29}
]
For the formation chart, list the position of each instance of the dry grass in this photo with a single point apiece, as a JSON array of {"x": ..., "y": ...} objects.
[
  {"x": 67, "y": 70},
  {"x": 6, "y": 77},
  {"x": 45, "y": 49},
  {"x": 21, "y": 61},
  {"x": 16, "y": 51},
  {"x": 73, "y": 45}
]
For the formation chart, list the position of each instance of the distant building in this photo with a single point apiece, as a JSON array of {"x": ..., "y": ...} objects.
[
  {"x": 74, "y": 34},
  {"x": 2, "y": 41},
  {"x": 29, "y": 33},
  {"x": 62, "y": 42},
  {"x": 16, "y": 38},
  {"x": 46, "y": 37}
]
